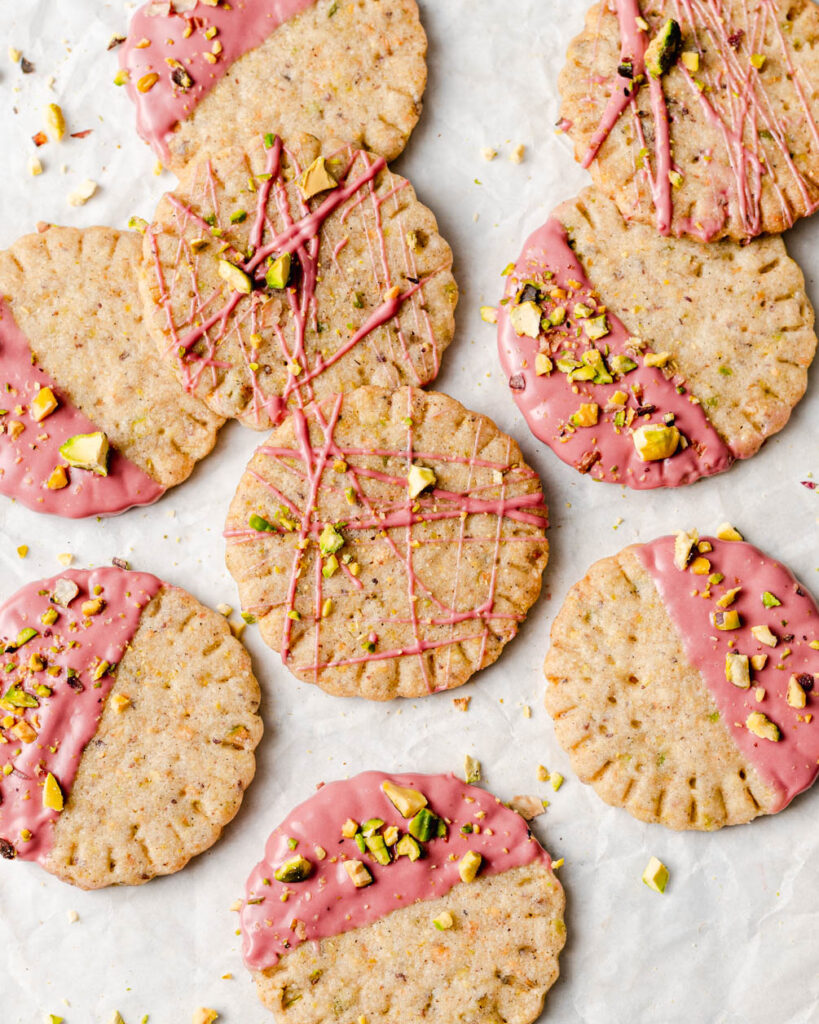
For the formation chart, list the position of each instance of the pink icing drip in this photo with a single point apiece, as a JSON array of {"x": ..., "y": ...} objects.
[
  {"x": 548, "y": 401},
  {"x": 68, "y": 719},
  {"x": 792, "y": 764},
  {"x": 328, "y": 904},
  {"x": 242, "y": 26},
  {"x": 27, "y": 462}
]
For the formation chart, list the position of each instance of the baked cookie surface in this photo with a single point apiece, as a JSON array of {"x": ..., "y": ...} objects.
[
  {"x": 130, "y": 725},
  {"x": 212, "y": 74},
  {"x": 71, "y": 326},
  {"x": 722, "y": 143},
  {"x": 388, "y": 543},
  {"x": 685, "y": 694},
  {"x": 282, "y": 274},
  {"x": 652, "y": 361},
  {"x": 422, "y": 939}
]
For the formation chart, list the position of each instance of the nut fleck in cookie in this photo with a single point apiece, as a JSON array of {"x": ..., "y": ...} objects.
[
  {"x": 410, "y": 891},
  {"x": 91, "y": 423},
  {"x": 206, "y": 76},
  {"x": 700, "y": 117},
  {"x": 288, "y": 272},
  {"x": 647, "y": 361},
  {"x": 128, "y": 729},
  {"x": 389, "y": 543},
  {"x": 681, "y": 678}
]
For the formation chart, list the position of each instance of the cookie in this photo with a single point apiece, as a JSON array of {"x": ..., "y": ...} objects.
[
  {"x": 649, "y": 361},
  {"x": 129, "y": 727},
  {"x": 404, "y": 897},
  {"x": 389, "y": 543},
  {"x": 76, "y": 361},
  {"x": 700, "y": 118},
  {"x": 682, "y": 677},
  {"x": 206, "y": 76},
  {"x": 286, "y": 273}
]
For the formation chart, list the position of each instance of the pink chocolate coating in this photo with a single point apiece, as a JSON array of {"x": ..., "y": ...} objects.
[
  {"x": 328, "y": 903},
  {"x": 26, "y": 462},
  {"x": 65, "y": 721},
  {"x": 790, "y": 765},
  {"x": 242, "y": 26},
  {"x": 547, "y": 402}
]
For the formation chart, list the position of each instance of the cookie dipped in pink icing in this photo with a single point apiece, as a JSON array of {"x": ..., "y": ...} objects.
[
  {"x": 586, "y": 387},
  {"x": 731, "y": 603},
  {"x": 63, "y": 639},
  {"x": 30, "y": 447},
  {"x": 461, "y": 820}
]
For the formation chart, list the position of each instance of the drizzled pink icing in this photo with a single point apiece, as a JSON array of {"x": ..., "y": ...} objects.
[
  {"x": 549, "y": 400},
  {"x": 65, "y": 721},
  {"x": 328, "y": 904},
  {"x": 195, "y": 341},
  {"x": 27, "y": 461},
  {"x": 241, "y": 26},
  {"x": 792, "y": 764},
  {"x": 731, "y": 97},
  {"x": 312, "y": 466}
]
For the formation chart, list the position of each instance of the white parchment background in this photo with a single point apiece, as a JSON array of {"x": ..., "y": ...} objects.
[{"x": 735, "y": 937}]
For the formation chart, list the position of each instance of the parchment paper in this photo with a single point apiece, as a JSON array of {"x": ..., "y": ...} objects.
[{"x": 734, "y": 938}]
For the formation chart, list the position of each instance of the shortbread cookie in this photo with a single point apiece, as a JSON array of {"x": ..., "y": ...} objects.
[
  {"x": 389, "y": 543},
  {"x": 648, "y": 361},
  {"x": 700, "y": 118},
  {"x": 76, "y": 361},
  {"x": 682, "y": 677},
  {"x": 286, "y": 273},
  {"x": 206, "y": 76},
  {"x": 411, "y": 897},
  {"x": 129, "y": 727}
]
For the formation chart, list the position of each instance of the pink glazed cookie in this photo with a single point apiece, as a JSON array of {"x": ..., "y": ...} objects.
[
  {"x": 682, "y": 679},
  {"x": 411, "y": 891},
  {"x": 128, "y": 727}
]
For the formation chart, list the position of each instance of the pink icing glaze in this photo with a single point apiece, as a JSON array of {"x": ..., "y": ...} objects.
[
  {"x": 65, "y": 721},
  {"x": 790, "y": 765},
  {"x": 27, "y": 462},
  {"x": 241, "y": 26},
  {"x": 549, "y": 400},
  {"x": 328, "y": 904}
]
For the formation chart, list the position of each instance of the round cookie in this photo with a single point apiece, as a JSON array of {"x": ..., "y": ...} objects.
[
  {"x": 392, "y": 930},
  {"x": 682, "y": 677},
  {"x": 288, "y": 272},
  {"x": 129, "y": 727},
  {"x": 725, "y": 141},
  {"x": 388, "y": 543},
  {"x": 212, "y": 73},
  {"x": 648, "y": 361},
  {"x": 75, "y": 360}
]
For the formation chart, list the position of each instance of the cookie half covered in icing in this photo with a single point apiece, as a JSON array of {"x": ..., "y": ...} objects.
[
  {"x": 700, "y": 118},
  {"x": 91, "y": 423},
  {"x": 284, "y": 273},
  {"x": 647, "y": 361},
  {"x": 207, "y": 75},
  {"x": 682, "y": 679},
  {"x": 389, "y": 543},
  {"x": 416, "y": 892},
  {"x": 128, "y": 727}
]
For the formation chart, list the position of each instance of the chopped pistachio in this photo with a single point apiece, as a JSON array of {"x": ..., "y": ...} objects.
[
  {"x": 43, "y": 404},
  {"x": 408, "y": 802},
  {"x": 525, "y": 319},
  {"x": 769, "y": 601},
  {"x": 760, "y": 725},
  {"x": 796, "y": 695},
  {"x": 654, "y": 442},
  {"x": 728, "y": 532},
  {"x": 700, "y": 566},
  {"x": 663, "y": 49},
  {"x": 655, "y": 875},
  {"x": 472, "y": 770},
  {"x": 358, "y": 872},
  {"x": 489, "y": 314},
  {"x": 296, "y": 869},
  {"x": 469, "y": 866},
  {"x": 596, "y": 327},
  {"x": 737, "y": 669},
  {"x": 758, "y": 662},
  {"x": 691, "y": 61},
  {"x": 543, "y": 364},
  {"x": 55, "y": 121},
  {"x": 426, "y": 825},
  {"x": 317, "y": 178},
  {"x": 330, "y": 540},
  {"x": 586, "y": 415},
  {"x": 278, "y": 272},
  {"x": 764, "y": 635},
  {"x": 52, "y": 794},
  {"x": 407, "y": 847},
  {"x": 419, "y": 478},
  {"x": 349, "y": 828},
  {"x": 726, "y": 620},
  {"x": 444, "y": 921},
  {"x": 87, "y": 451},
  {"x": 728, "y": 597},
  {"x": 235, "y": 277}
]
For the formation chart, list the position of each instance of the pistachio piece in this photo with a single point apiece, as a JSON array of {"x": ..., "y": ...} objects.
[
  {"x": 378, "y": 848},
  {"x": 728, "y": 532},
  {"x": 684, "y": 544},
  {"x": 317, "y": 178},
  {"x": 596, "y": 327},
  {"x": 726, "y": 620},
  {"x": 359, "y": 873},
  {"x": 444, "y": 921},
  {"x": 408, "y": 802},
  {"x": 769, "y": 601},
  {"x": 586, "y": 415},
  {"x": 278, "y": 272},
  {"x": 87, "y": 451},
  {"x": 296, "y": 869},
  {"x": 525, "y": 319},
  {"x": 796, "y": 696},
  {"x": 419, "y": 478},
  {"x": 655, "y": 442},
  {"x": 43, "y": 404},
  {"x": 663, "y": 49},
  {"x": 407, "y": 847},
  {"x": 764, "y": 635},
  {"x": 472, "y": 770},
  {"x": 469, "y": 866},
  {"x": 489, "y": 314},
  {"x": 728, "y": 597},
  {"x": 330, "y": 540},
  {"x": 22, "y": 638},
  {"x": 235, "y": 277},
  {"x": 16, "y": 697},
  {"x": 58, "y": 478},
  {"x": 426, "y": 825},
  {"x": 543, "y": 364},
  {"x": 65, "y": 590},
  {"x": 52, "y": 794},
  {"x": 760, "y": 725},
  {"x": 737, "y": 669},
  {"x": 655, "y": 875}
]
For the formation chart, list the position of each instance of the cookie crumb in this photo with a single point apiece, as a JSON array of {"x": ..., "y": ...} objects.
[
  {"x": 489, "y": 153},
  {"x": 517, "y": 154},
  {"x": 461, "y": 703},
  {"x": 65, "y": 559},
  {"x": 73, "y": 917},
  {"x": 224, "y": 609},
  {"x": 204, "y": 1016},
  {"x": 472, "y": 769},
  {"x": 542, "y": 773},
  {"x": 35, "y": 167},
  {"x": 82, "y": 193}
]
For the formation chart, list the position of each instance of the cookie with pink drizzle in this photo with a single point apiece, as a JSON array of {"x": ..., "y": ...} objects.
[
  {"x": 699, "y": 117},
  {"x": 682, "y": 679},
  {"x": 76, "y": 360},
  {"x": 388, "y": 542},
  {"x": 411, "y": 897},
  {"x": 647, "y": 361},
  {"x": 281, "y": 274},
  {"x": 127, "y": 727},
  {"x": 207, "y": 75}
]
